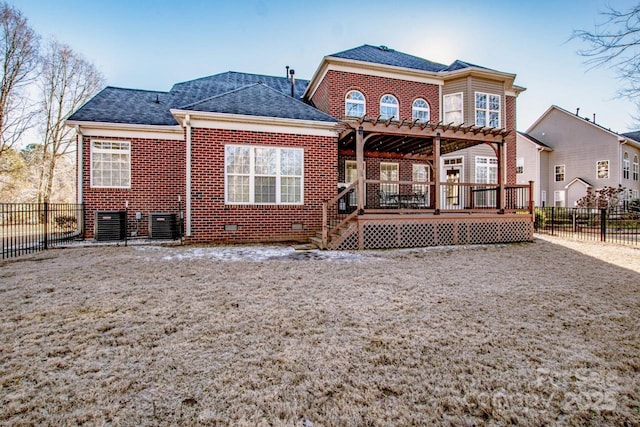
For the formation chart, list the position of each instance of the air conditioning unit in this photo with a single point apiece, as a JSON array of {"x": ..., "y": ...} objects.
[
  {"x": 110, "y": 225},
  {"x": 163, "y": 226}
]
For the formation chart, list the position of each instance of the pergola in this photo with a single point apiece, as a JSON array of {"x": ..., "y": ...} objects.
[{"x": 411, "y": 139}]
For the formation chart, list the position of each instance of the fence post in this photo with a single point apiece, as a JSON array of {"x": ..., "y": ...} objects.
[
  {"x": 46, "y": 225},
  {"x": 553, "y": 220},
  {"x": 603, "y": 225}
]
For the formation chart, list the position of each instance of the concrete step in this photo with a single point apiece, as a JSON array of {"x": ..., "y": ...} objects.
[
  {"x": 305, "y": 247},
  {"x": 317, "y": 241}
]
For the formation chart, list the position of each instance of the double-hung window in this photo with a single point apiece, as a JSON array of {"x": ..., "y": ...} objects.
[
  {"x": 486, "y": 173},
  {"x": 263, "y": 175},
  {"x": 388, "y": 107},
  {"x": 626, "y": 166},
  {"x": 487, "y": 110},
  {"x": 520, "y": 165},
  {"x": 636, "y": 168},
  {"x": 420, "y": 110},
  {"x": 559, "y": 173},
  {"x": 453, "y": 108},
  {"x": 110, "y": 164},
  {"x": 602, "y": 169},
  {"x": 354, "y": 104}
]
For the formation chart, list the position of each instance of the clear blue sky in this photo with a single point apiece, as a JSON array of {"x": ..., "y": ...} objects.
[{"x": 147, "y": 44}]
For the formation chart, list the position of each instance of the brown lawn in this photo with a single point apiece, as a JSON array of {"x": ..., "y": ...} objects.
[{"x": 533, "y": 334}]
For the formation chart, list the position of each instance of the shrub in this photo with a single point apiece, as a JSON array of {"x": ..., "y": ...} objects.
[{"x": 540, "y": 220}]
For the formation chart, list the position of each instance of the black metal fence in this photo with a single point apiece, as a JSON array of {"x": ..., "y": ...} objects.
[
  {"x": 32, "y": 227},
  {"x": 617, "y": 225}
]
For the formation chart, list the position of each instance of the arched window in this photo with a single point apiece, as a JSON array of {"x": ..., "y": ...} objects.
[
  {"x": 626, "y": 166},
  {"x": 354, "y": 104},
  {"x": 420, "y": 110},
  {"x": 636, "y": 168},
  {"x": 388, "y": 107}
]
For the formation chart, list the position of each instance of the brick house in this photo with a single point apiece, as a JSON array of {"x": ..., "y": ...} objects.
[{"x": 377, "y": 143}]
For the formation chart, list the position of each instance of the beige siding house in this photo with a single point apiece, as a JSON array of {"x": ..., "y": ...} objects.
[{"x": 569, "y": 154}]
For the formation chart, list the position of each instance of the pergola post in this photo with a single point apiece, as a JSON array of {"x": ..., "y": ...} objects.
[
  {"x": 502, "y": 169},
  {"x": 360, "y": 196},
  {"x": 436, "y": 173}
]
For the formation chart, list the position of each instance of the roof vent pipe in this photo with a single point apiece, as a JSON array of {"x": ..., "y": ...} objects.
[
  {"x": 577, "y": 109},
  {"x": 292, "y": 73},
  {"x": 286, "y": 73},
  {"x": 594, "y": 117}
]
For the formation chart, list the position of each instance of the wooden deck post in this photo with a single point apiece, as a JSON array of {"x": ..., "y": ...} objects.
[
  {"x": 531, "y": 205},
  {"x": 436, "y": 173},
  {"x": 502, "y": 169},
  {"x": 360, "y": 196}
]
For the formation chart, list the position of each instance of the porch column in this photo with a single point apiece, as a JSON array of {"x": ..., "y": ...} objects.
[
  {"x": 502, "y": 168},
  {"x": 360, "y": 196},
  {"x": 436, "y": 173}
]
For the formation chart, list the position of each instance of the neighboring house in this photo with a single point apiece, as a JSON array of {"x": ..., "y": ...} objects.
[
  {"x": 566, "y": 154},
  {"x": 246, "y": 157}
]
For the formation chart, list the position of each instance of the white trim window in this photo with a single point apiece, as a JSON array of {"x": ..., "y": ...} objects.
[
  {"x": 354, "y": 104},
  {"x": 421, "y": 173},
  {"x": 636, "y": 168},
  {"x": 558, "y": 199},
  {"x": 420, "y": 110},
  {"x": 520, "y": 165},
  {"x": 264, "y": 175},
  {"x": 626, "y": 166},
  {"x": 559, "y": 173},
  {"x": 389, "y": 172},
  {"x": 635, "y": 194},
  {"x": 453, "y": 108},
  {"x": 487, "y": 110},
  {"x": 388, "y": 107},
  {"x": 110, "y": 164},
  {"x": 602, "y": 169},
  {"x": 486, "y": 173}
]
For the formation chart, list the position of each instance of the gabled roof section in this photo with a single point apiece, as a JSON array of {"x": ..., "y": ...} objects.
[
  {"x": 127, "y": 106},
  {"x": 579, "y": 180},
  {"x": 534, "y": 141},
  {"x": 259, "y": 100},
  {"x": 195, "y": 90},
  {"x": 633, "y": 135},
  {"x": 386, "y": 56},
  {"x": 459, "y": 65}
]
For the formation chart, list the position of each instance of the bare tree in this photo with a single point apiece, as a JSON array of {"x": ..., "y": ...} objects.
[
  {"x": 67, "y": 80},
  {"x": 19, "y": 50},
  {"x": 615, "y": 43}
]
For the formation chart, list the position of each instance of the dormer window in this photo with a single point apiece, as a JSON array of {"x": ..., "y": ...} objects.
[
  {"x": 487, "y": 110},
  {"x": 420, "y": 110},
  {"x": 388, "y": 107},
  {"x": 354, "y": 104}
]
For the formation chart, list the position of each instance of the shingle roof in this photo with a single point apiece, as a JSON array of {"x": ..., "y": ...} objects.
[
  {"x": 132, "y": 106},
  {"x": 386, "y": 56},
  {"x": 260, "y": 100},
  {"x": 633, "y": 135},
  {"x": 537, "y": 141}
]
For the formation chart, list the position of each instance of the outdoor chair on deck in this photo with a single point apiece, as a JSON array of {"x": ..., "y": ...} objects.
[{"x": 387, "y": 199}]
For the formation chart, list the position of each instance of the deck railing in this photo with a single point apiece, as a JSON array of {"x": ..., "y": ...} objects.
[{"x": 32, "y": 227}]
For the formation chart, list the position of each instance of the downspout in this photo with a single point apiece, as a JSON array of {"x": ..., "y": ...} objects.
[
  {"x": 187, "y": 219},
  {"x": 80, "y": 164}
]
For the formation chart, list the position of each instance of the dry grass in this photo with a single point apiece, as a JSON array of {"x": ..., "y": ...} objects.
[{"x": 530, "y": 334}]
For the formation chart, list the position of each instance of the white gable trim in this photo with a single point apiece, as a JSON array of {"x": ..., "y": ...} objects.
[
  {"x": 120, "y": 130},
  {"x": 209, "y": 120},
  {"x": 580, "y": 181}
]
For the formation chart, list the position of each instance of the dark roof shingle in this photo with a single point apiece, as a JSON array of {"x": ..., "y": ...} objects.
[{"x": 386, "y": 56}]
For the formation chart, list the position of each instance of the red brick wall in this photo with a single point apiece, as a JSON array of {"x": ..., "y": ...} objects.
[
  {"x": 257, "y": 222},
  {"x": 329, "y": 96},
  {"x": 157, "y": 179},
  {"x": 511, "y": 139}
]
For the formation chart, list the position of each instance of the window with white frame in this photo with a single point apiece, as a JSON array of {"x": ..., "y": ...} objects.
[
  {"x": 421, "y": 173},
  {"x": 602, "y": 169},
  {"x": 354, "y": 104},
  {"x": 487, "y": 110},
  {"x": 388, "y": 107},
  {"x": 559, "y": 173},
  {"x": 543, "y": 197},
  {"x": 420, "y": 110},
  {"x": 558, "y": 199},
  {"x": 626, "y": 166},
  {"x": 520, "y": 165},
  {"x": 453, "y": 108},
  {"x": 636, "y": 168},
  {"x": 110, "y": 164},
  {"x": 389, "y": 172},
  {"x": 263, "y": 175},
  {"x": 636, "y": 194},
  {"x": 486, "y": 173}
]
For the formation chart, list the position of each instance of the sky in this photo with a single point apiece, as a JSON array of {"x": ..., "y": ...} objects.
[{"x": 147, "y": 44}]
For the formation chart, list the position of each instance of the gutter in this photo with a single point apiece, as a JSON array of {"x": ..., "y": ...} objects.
[
  {"x": 187, "y": 124},
  {"x": 79, "y": 164}
]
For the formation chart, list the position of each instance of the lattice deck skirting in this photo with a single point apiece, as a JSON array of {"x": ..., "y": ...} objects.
[{"x": 410, "y": 231}]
